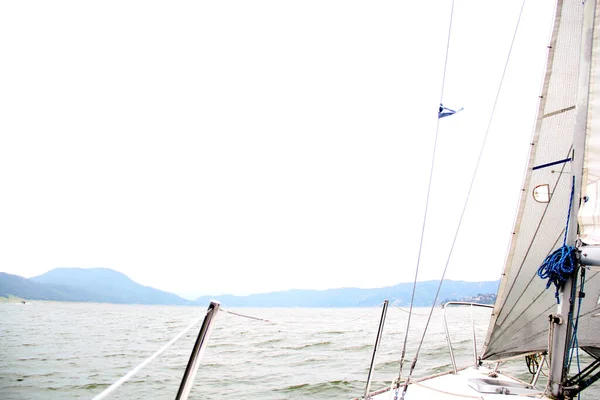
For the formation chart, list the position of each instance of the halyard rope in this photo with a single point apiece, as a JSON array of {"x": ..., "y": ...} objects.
[{"x": 137, "y": 369}]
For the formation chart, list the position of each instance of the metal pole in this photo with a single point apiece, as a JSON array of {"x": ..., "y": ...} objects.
[
  {"x": 192, "y": 368},
  {"x": 476, "y": 364},
  {"x": 449, "y": 341},
  {"x": 539, "y": 371},
  {"x": 377, "y": 341},
  {"x": 462, "y": 303}
]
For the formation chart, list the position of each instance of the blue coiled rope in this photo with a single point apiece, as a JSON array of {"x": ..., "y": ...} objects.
[{"x": 559, "y": 265}]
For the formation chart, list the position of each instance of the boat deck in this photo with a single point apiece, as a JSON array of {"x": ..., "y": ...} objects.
[{"x": 457, "y": 386}]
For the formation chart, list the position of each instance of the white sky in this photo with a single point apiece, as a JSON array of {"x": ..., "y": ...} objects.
[{"x": 248, "y": 146}]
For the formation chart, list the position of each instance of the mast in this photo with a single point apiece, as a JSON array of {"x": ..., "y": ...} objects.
[{"x": 562, "y": 328}]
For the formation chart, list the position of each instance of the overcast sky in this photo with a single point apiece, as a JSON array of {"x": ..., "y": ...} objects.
[{"x": 208, "y": 147}]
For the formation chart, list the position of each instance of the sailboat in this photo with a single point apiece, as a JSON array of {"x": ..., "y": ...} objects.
[
  {"x": 557, "y": 224},
  {"x": 559, "y": 214},
  {"x": 556, "y": 235}
]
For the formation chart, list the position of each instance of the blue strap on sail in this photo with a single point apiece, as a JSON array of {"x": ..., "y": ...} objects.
[
  {"x": 559, "y": 265},
  {"x": 446, "y": 112}
]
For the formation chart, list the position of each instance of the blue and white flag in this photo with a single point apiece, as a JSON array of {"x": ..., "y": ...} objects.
[{"x": 446, "y": 112}]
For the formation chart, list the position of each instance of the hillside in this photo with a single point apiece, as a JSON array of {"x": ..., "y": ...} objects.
[
  {"x": 21, "y": 287},
  {"x": 108, "y": 286},
  {"x": 353, "y": 297},
  {"x": 100, "y": 285}
]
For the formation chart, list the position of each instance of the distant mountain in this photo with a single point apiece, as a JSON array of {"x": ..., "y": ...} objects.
[
  {"x": 27, "y": 289},
  {"x": 101, "y": 285},
  {"x": 353, "y": 297},
  {"x": 108, "y": 286}
]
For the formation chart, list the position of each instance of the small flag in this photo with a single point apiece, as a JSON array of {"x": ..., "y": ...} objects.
[{"x": 446, "y": 112}]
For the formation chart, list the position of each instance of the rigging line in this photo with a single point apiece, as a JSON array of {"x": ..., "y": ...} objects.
[
  {"x": 365, "y": 314},
  {"x": 137, "y": 369},
  {"x": 279, "y": 323},
  {"x": 592, "y": 311},
  {"x": 412, "y": 367},
  {"x": 247, "y": 316},
  {"x": 414, "y": 313},
  {"x": 437, "y": 129},
  {"x": 530, "y": 245}
]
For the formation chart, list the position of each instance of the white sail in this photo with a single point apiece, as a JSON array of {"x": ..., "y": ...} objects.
[
  {"x": 519, "y": 322},
  {"x": 589, "y": 217},
  {"x": 589, "y": 212}
]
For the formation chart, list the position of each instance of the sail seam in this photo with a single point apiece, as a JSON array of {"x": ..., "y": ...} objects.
[{"x": 550, "y": 114}]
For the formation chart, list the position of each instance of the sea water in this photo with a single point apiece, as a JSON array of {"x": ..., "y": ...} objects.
[{"x": 54, "y": 350}]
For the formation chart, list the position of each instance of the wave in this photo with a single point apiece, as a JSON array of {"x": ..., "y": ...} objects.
[
  {"x": 387, "y": 364},
  {"x": 359, "y": 347},
  {"x": 37, "y": 375},
  {"x": 294, "y": 361},
  {"x": 93, "y": 386},
  {"x": 307, "y": 345},
  {"x": 322, "y": 387},
  {"x": 116, "y": 355},
  {"x": 269, "y": 341}
]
